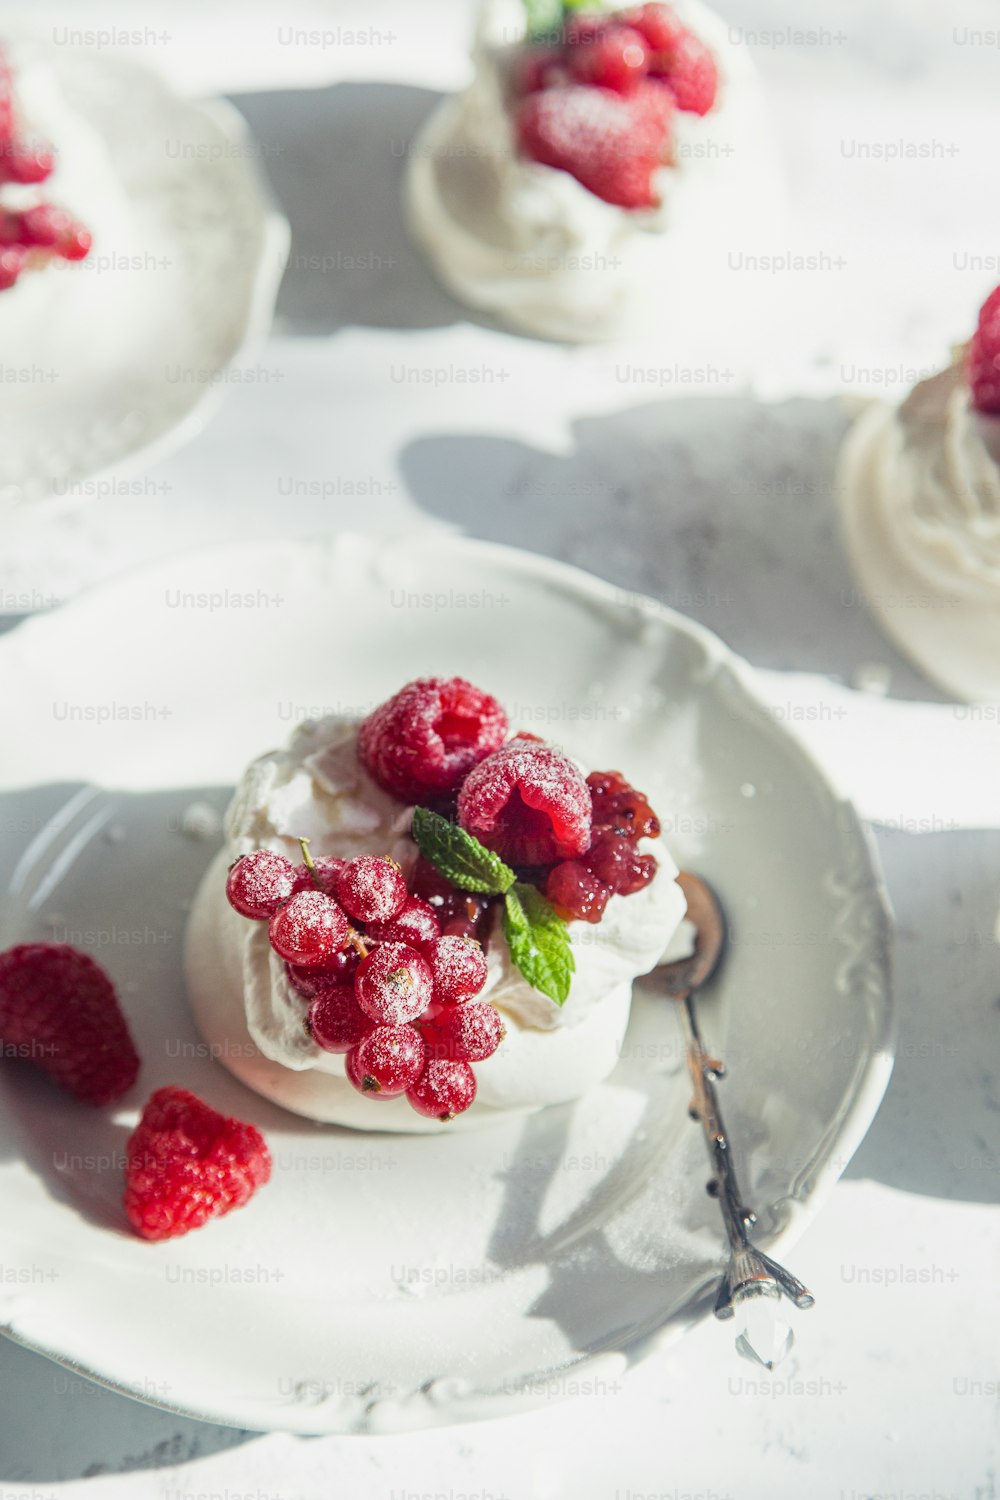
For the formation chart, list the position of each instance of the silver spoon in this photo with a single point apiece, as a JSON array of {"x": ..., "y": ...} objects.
[{"x": 753, "y": 1284}]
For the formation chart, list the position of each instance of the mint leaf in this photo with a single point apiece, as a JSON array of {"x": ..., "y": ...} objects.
[
  {"x": 459, "y": 857},
  {"x": 539, "y": 941},
  {"x": 544, "y": 17}
]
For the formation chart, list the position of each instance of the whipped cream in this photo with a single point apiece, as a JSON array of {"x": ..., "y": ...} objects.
[
  {"x": 72, "y": 318},
  {"x": 252, "y": 1018},
  {"x": 532, "y": 245},
  {"x": 920, "y": 501}
]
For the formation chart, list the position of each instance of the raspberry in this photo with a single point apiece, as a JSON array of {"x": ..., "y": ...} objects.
[
  {"x": 458, "y": 965},
  {"x": 618, "y": 805},
  {"x": 444, "y": 1089},
  {"x": 615, "y": 59},
  {"x": 336, "y": 1021},
  {"x": 983, "y": 357},
  {"x": 657, "y": 24},
  {"x": 421, "y": 743},
  {"x": 416, "y": 924},
  {"x": 387, "y": 1061},
  {"x": 188, "y": 1164},
  {"x": 59, "y": 1010},
  {"x": 576, "y": 893},
  {"x": 394, "y": 984},
  {"x": 311, "y": 982},
  {"x": 308, "y": 929},
  {"x": 611, "y": 144},
  {"x": 372, "y": 888},
  {"x": 259, "y": 883},
  {"x": 527, "y": 802},
  {"x": 467, "y": 1033},
  {"x": 690, "y": 69}
]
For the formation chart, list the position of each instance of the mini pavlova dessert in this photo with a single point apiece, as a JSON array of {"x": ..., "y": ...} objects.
[
  {"x": 919, "y": 491},
  {"x": 421, "y": 916},
  {"x": 574, "y": 187}
]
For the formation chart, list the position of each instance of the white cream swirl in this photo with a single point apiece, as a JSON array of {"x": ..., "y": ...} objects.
[
  {"x": 531, "y": 245},
  {"x": 920, "y": 498},
  {"x": 253, "y": 1019}
]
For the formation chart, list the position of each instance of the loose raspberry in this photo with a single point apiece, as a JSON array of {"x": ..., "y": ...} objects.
[
  {"x": 387, "y": 1061},
  {"x": 259, "y": 883},
  {"x": 527, "y": 802},
  {"x": 611, "y": 144},
  {"x": 421, "y": 743},
  {"x": 308, "y": 929},
  {"x": 615, "y": 59},
  {"x": 188, "y": 1164},
  {"x": 576, "y": 893},
  {"x": 690, "y": 69},
  {"x": 658, "y": 24},
  {"x": 467, "y": 1033},
  {"x": 372, "y": 888},
  {"x": 458, "y": 965},
  {"x": 417, "y": 924},
  {"x": 983, "y": 357},
  {"x": 58, "y": 1009},
  {"x": 443, "y": 1090},
  {"x": 394, "y": 984},
  {"x": 336, "y": 1021}
]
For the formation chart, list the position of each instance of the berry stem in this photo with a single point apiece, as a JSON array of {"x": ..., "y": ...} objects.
[{"x": 309, "y": 863}]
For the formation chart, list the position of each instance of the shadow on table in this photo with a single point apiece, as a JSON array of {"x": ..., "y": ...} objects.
[
  {"x": 336, "y": 158},
  {"x": 722, "y": 507}
]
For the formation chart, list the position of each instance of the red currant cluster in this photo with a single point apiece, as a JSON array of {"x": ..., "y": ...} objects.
[
  {"x": 581, "y": 888},
  {"x": 385, "y": 984},
  {"x": 600, "y": 103},
  {"x": 29, "y": 236}
]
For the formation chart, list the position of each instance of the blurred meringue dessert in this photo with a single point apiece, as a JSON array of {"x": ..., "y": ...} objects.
[
  {"x": 573, "y": 189},
  {"x": 919, "y": 492},
  {"x": 422, "y": 920},
  {"x": 59, "y": 195}
]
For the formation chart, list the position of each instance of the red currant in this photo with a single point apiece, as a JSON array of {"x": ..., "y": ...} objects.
[
  {"x": 308, "y": 929},
  {"x": 336, "y": 1021},
  {"x": 458, "y": 965},
  {"x": 259, "y": 883},
  {"x": 616, "y": 59},
  {"x": 387, "y": 1061},
  {"x": 394, "y": 984},
  {"x": 372, "y": 888},
  {"x": 444, "y": 1089},
  {"x": 416, "y": 924},
  {"x": 468, "y": 1033}
]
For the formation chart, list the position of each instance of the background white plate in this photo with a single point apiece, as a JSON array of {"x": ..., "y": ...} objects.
[
  {"x": 393, "y": 1282},
  {"x": 217, "y": 247}
]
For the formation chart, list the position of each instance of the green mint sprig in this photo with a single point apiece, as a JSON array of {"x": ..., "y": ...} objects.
[
  {"x": 546, "y": 17},
  {"x": 537, "y": 936}
]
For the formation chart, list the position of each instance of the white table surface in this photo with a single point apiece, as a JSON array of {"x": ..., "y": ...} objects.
[{"x": 894, "y": 1388}]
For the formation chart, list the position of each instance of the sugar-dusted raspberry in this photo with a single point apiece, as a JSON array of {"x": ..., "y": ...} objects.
[
  {"x": 616, "y": 59},
  {"x": 658, "y": 24},
  {"x": 468, "y": 1033},
  {"x": 188, "y": 1164},
  {"x": 387, "y": 1061},
  {"x": 983, "y": 357},
  {"x": 308, "y": 930},
  {"x": 372, "y": 888},
  {"x": 444, "y": 1089},
  {"x": 610, "y": 143},
  {"x": 690, "y": 69},
  {"x": 576, "y": 893},
  {"x": 260, "y": 882},
  {"x": 58, "y": 1010},
  {"x": 422, "y": 742},
  {"x": 458, "y": 965},
  {"x": 529, "y": 803},
  {"x": 417, "y": 924},
  {"x": 394, "y": 984},
  {"x": 336, "y": 1021}
]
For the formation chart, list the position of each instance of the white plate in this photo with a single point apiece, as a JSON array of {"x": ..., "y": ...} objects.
[
  {"x": 208, "y": 253},
  {"x": 388, "y": 1281}
]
